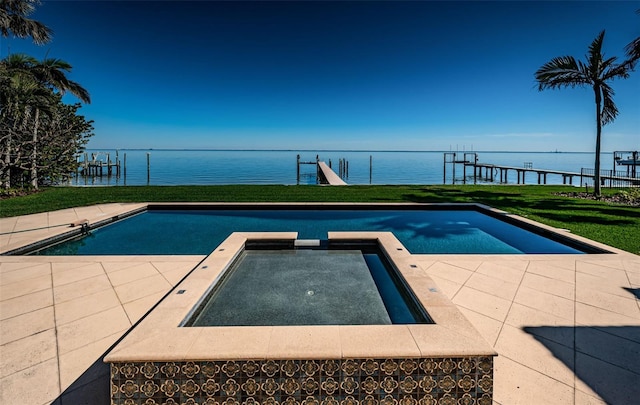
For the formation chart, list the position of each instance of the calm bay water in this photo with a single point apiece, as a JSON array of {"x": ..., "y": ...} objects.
[{"x": 192, "y": 167}]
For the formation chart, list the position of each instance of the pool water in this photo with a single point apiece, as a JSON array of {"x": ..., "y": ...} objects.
[
  {"x": 198, "y": 232},
  {"x": 307, "y": 287}
]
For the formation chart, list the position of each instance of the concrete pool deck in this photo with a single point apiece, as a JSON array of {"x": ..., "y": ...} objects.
[{"x": 566, "y": 327}]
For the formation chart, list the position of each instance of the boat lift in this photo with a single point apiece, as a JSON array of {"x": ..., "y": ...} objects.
[{"x": 630, "y": 159}]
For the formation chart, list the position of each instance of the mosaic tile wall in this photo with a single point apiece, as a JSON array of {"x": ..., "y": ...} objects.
[{"x": 425, "y": 381}]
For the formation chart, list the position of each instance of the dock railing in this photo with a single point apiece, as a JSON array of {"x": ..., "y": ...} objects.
[{"x": 608, "y": 178}]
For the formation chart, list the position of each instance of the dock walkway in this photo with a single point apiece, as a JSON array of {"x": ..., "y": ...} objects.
[
  {"x": 567, "y": 177},
  {"x": 328, "y": 176},
  {"x": 521, "y": 173}
]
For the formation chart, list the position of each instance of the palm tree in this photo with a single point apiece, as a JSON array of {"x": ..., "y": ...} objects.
[
  {"x": 13, "y": 19},
  {"x": 48, "y": 75},
  {"x": 596, "y": 72},
  {"x": 52, "y": 73}
]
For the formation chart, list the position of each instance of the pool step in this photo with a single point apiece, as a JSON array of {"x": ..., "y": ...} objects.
[{"x": 306, "y": 242}]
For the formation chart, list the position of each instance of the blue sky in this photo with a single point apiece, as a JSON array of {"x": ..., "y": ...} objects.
[{"x": 338, "y": 75}]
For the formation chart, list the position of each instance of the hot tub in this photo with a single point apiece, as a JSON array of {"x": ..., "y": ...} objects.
[{"x": 436, "y": 358}]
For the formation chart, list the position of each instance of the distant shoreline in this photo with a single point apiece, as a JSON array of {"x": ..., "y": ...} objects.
[{"x": 328, "y": 150}]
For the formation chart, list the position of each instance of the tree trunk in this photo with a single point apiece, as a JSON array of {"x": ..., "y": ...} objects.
[
  {"x": 34, "y": 153},
  {"x": 6, "y": 167},
  {"x": 596, "y": 179}
]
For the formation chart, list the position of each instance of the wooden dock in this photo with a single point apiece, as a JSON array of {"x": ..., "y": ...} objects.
[
  {"x": 97, "y": 167},
  {"x": 567, "y": 177},
  {"x": 324, "y": 172},
  {"x": 491, "y": 172}
]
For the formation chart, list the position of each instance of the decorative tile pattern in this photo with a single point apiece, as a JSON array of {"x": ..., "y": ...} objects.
[{"x": 423, "y": 381}]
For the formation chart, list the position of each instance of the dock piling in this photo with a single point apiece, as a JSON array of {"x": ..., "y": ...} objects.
[{"x": 312, "y": 162}]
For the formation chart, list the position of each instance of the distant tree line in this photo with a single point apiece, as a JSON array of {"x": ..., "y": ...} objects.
[{"x": 40, "y": 135}]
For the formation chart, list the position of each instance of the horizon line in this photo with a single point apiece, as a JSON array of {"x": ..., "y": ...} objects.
[{"x": 335, "y": 150}]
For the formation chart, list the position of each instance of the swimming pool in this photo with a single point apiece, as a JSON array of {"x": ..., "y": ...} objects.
[{"x": 431, "y": 230}]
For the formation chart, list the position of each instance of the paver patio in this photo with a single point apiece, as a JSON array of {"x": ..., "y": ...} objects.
[{"x": 566, "y": 327}]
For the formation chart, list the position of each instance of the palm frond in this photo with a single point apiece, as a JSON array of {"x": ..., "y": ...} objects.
[
  {"x": 24, "y": 27},
  {"x": 607, "y": 64},
  {"x": 19, "y": 60},
  {"x": 586, "y": 71},
  {"x": 563, "y": 71},
  {"x": 25, "y": 91},
  {"x": 609, "y": 109},
  {"x": 18, "y": 65},
  {"x": 56, "y": 63},
  {"x": 594, "y": 55},
  {"x": 621, "y": 71},
  {"x": 4, "y": 22},
  {"x": 77, "y": 90},
  {"x": 13, "y": 20},
  {"x": 633, "y": 52},
  {"x": 50, "y": 73},
  {"x": 24, "y": 7}
]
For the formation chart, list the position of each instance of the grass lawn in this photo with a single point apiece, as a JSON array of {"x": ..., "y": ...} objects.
[{"x": 612, "y": 224}]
